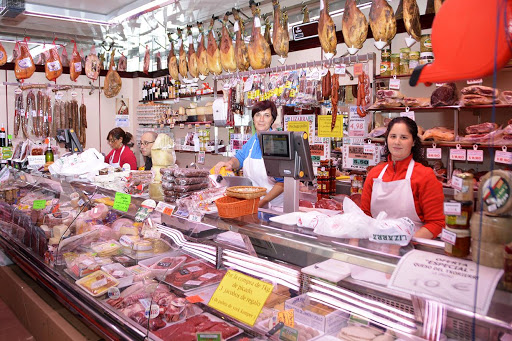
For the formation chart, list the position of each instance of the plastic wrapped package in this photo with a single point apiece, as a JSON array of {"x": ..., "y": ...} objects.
[
  {"x": 138, "y": 182},
  {"x": 81, "y": 264},
  {"x": 106, "y": 248},
  {"x": 184, "y": 172},
  {"x": 185, "y": 181},
  {"x": 116, "y": 225},
  {"x": 183, "y": 188}
]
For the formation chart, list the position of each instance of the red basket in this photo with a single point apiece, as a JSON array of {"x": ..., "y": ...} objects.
[{"x": 229, "y": 207}]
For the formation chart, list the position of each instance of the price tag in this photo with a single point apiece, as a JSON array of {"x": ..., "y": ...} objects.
[
  {"x": 457, "y": 183},
  {"x": 9, "y": 137},
  {"x": 503, "y": 157},
  {"x": 194, "y": 299},
  {"x": 165, "y": 208},
  {"x": 409, "y": 114},
  {"x": 458, "y": 154},
  {"x": 195, "y": 218},
  {"x": 151, "y": 234},
  {"x": 100, "y": 283},
  {"x": 81, "y": 202},
  {"x": 475, "y": 155},
  {"x": 209, "y": 336},
  {"x": 475, "y": 81},
  {"x": 394, "y": 84},
  {"x": 35, "y": 161},
  {"x": 448, "y": 237},
  {"x": 38, "y": 204},
  {"x": 286, "y": 316},
  {"x": 440, "y": 84},
  {"x": 434, "y": 153},
  {"x": 357, "y": 127},
  {"x": 340, "y": 69},
  {"x": 369, "y": 149},
  {"x": 452, "y": 208},
  {"x": 201, "y": 157},
  {"x": 240, "y": 296},
  {"x": 122, "y": 201},
  {"x": 113, "y": 293},
  {"x": 358, "y": 69}
]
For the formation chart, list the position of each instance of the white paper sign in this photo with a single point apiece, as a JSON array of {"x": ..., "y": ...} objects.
[
  {"x": 201, "y": 157},
  {"x": 434, "y": 153},
  {"x": 165, "y": 208},
  {"x": 35, "y": 161},
  {"x": 458, "y": 154},
  {"x": 475, "y": 155},
  {"x": 452, "y": 281},
  {"x": 475, "y": 81},
  {"x": 448, "y": 237},
  {"x": 369, "y": 149},
  {"x": 122, "y": 121},
  {"x": 394, "y": 84},
  {"x": 195, "y": 218},
  {"x": 457, "y": 183},
  {"x": 452, "y": 208},
  {"x": 340, "y": 69},
  {"x": 409, "y": 114},
  {"x": 503, "y": 157}
]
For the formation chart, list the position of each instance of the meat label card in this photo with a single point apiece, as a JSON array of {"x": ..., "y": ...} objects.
[
  {"x": 475, "y": 155},
  {"x": 458, "y": 154},
  {"x": 240, "y": 296},
  {"x": 503, "y": 157},
  {"x": 445, "y": 279},
  {"x": 434, "y": 153}
]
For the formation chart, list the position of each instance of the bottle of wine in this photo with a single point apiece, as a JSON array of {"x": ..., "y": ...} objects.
[
  {"x": 3, "y": 137},
  {"x": 48, "y": 155}
]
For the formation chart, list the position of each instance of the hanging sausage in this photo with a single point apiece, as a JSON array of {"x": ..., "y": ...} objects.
[
  {"x": 202, "y": 63},
  {"x": 182, "y": 65},
  {"x": 280, "y": 37},
  {"x": 212, "y": 52},
  {"x": 75, "y": 68},
  {"x": 382, "y": 23},
  {"x": 259, "y": 50},
  {"x": 227, "y": 51},
  {"x": 113, "y": 82},
  {"x": 122, "y": 63},
  {"x": 326, "y": 30},
  {"x": 173, "y": 63},
  {"x": 354, "y": 27},
  {"x": 192, "y": 55},
  {"x": 24, "y": 64},
  {"x": 241, "y": 52}
]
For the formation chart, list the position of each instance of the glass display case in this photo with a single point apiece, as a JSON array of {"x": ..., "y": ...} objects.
[{"x": 155, "y": 278}]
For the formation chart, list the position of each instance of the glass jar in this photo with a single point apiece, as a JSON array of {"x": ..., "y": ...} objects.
[
  {"x": 460, "y": 222},
  {"x": 462, "y": 244},
  {"x": 466, "y": 193},
  {"x": 425, "y": 43},
  {"x": 395, "y": 64},
  {"x": 414, "y": 60}
]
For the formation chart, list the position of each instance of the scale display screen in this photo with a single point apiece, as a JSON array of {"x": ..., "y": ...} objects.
[{"x": 276, "y": 145}]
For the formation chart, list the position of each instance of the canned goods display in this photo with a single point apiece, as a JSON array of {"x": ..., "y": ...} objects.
[
  {"x": 426, "y": 58},
  {"x": 395, "y": 63},
  {"x": 385, "y": 68},
  {"x": 414, "y": 60}
]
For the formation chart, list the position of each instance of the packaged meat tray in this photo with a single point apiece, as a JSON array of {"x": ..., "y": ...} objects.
[
  {"x": 186, "y": 331},
  {"x": 305, "y": 333},
  {"x": 122, "y": 274},
  {"x": 162, "y": 265},
  {"x": 193, "y": 275},
  {"x": 97, "y": 283}
]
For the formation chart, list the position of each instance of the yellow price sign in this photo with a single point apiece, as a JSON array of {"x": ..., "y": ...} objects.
[
  {"x": 240, "y": 296},
  {"x": 298, "y": 126},
  {"x": 324, "y": 126},
  {"x": 286, "y": 316}
]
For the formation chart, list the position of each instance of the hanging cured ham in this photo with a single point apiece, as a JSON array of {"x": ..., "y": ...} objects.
[
  {"x": 266, "y": 34},
  {"x": 437, "y": 5},
  {"x": 173, "y": 63},
  {"x": 24, "y": 64},
  {"x": 92, "y": 65},
  {"x": 411, "y": 14},
  {"x": 354, "y": 27},
  {"x": 75, "y": 67},
  {"x": 326, "y": 30},
  {"x": 182, "y": 65},
  {"x": 241, "y": 52},
  {"x": 280, "y": 37},
  {"x": 113, "y": 82},
  {"x": 382, "y": 23},
  {"x": 53, "y": 66},
  {"x": 122, "y": 63},
  {"x": 212, "y": 52},
  {"x": 147, "y": 60},
  {"x": 202, "y": 63},
  {"x": 192, "y": 56},
  {"x": 259, "y": 50},
  {"x": 305, "y": 13},
  {"x": 227, "y": 51},
  {"x": 3, "y": 55}
]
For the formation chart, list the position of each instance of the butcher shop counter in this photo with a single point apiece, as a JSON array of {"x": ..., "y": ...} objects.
[{"x": 300, "y": 247}]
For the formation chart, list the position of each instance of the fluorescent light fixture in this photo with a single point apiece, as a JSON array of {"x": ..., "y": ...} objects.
[
  {"x": 146, "y": 8},
  {"x": 261, "y": 275},
  {"x": 66, "y": 18}
]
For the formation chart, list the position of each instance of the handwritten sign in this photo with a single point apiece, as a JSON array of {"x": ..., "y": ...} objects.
[
  {"x": 324, "y": 126},
  {"x": 39, "y": 204},
  {"x": 298, "y": 126},
  {"x": 240, "y": 296},
  {"x": 297, "y": 123},
  {"x": 286, "y": 316},
  {"x": 446, "y": 279},
  {"x": 122, "y": 201}
]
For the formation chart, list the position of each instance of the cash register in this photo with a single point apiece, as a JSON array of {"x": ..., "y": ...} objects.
[{"x": 286, "y": 155}]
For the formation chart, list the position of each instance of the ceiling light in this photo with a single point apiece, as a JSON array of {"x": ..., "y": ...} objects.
[
  {"x": 65, "y": 18},
  {"x": 136, "y": 12}
]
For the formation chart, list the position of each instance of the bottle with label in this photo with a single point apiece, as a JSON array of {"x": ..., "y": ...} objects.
[
  {"x": 3, "y": 137},
  {"x": 48, "y": 155}
]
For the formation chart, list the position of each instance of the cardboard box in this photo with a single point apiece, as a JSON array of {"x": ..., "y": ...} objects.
[{"x": 328, "y": 323}]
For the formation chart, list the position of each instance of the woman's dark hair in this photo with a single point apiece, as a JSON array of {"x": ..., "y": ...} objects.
[
  {"x": 264, "y": 105},
  {"x": 416, "y": 151},
  {"x": 118, "y": 133}
]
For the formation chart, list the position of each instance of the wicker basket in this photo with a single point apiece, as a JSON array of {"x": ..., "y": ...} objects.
[
  {"x": 246, "y": 192},
  {"x": 233, "y": 207}
]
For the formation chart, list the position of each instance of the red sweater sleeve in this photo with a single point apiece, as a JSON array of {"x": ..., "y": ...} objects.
[
  {"x": 129, "y": 158},
  {"x": 429, "y": 202}
]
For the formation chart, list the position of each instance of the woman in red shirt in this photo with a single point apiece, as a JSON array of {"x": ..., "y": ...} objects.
[
  {"x": 403, "y": 186},
  {"x": 121, "y": 154}
]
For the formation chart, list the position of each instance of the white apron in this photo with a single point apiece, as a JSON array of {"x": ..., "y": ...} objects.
[
  {"x": 116, "y": 164},
  {"x": 255, "y": 170},
  {"x": 395, "y": 198}
]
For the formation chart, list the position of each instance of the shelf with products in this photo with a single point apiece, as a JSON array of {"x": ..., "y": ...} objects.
[
  {"x": 453, "y": 107},
  {"x": 507, "y": 67},
  {"x": 450, "y": 144},
  {"x": 173, "y": 100}
]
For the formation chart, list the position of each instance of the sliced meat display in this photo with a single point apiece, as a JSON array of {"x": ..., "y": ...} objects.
[
  {"x": 481, "y": 128},
  {"x": 389, "y": 94},
  {"x": 326, "y": 29},
  {"x": 416, "y": 102},
  {"x": 444, "y": 95},
  {"x": 483, "y": 138},
  {"x": 480, "y": 90}
]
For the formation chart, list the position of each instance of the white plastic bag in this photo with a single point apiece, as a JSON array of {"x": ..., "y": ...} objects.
[
  {"x": 392, "y": 231},
  {"x": 311, "y": 219}
]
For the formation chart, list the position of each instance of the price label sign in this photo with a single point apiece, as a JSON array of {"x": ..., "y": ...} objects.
[
  {"x": 434, "y": 153},
  {"x": 165, "y": 208},
  {"x": 122, "y": 201},
  {"x": 340, "y": 69},
  {"x": 201, "y": 157},
  {"x": 369, "y": 149},
  {"x": 195, "y": 218},
  {"x": 452, "y": 208},
  {"x": 448, "y": 237},
  {"x": 358, "y": 69},
  {"x": 475, "y": 155},
  {"x": 409, "y": 114},
  {"x": 208, "y": 336},
  {"x": 286, "y": 316},
  {"x": 475, "y": 81},
  {"x": 458, "y": 154},
  {"x": 457, "y": 183},
  {"x": 38, "y": 204},
  {"x": 503, "y": 157},
  {"x": 36, "y": 161},
  {"x": 240, "y": 296},
  {"x": 394, "y": 84}
]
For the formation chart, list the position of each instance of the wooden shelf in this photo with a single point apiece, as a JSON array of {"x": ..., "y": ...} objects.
[{"x": 181, "y": 97}]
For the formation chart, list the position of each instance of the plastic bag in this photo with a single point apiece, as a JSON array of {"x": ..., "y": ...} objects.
[{"x": 392, "y": 231}]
